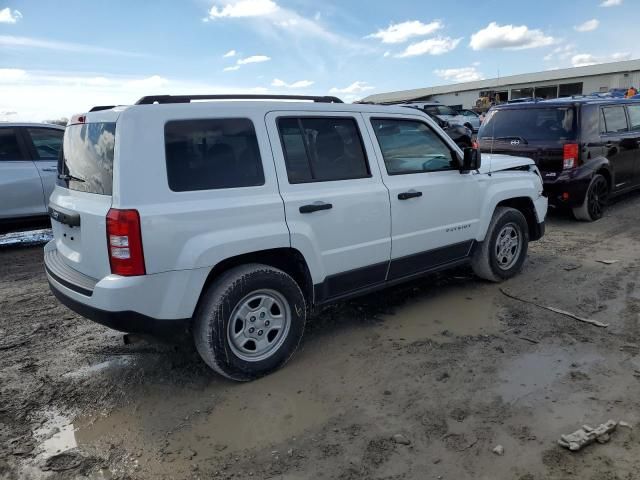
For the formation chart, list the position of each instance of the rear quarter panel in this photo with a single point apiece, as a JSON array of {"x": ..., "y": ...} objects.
[{"x": 190, "y": 230}]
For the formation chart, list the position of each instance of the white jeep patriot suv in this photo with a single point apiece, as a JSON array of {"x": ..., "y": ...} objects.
[{"x": 234, "y": 218}]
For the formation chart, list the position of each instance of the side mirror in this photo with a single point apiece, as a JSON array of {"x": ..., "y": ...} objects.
[{"x": 471, "y": 160}]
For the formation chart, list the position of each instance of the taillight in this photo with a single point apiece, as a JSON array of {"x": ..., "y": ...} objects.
[
  {"x": 570, "y": 156},
  {"x": 124, "y": 241}
]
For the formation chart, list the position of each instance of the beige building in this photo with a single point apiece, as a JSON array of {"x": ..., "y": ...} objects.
[{"x": 549, "y": 84}]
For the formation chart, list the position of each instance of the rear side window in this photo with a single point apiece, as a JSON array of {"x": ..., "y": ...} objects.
[
  {"x": 615, "y": 119},
  {"x": 557, "y": 123},
  {"x": 322, "y": 149},
  {"x": 9, "y": 148},
  {"x": 634, "y": 116},
  {"x": 410, "y": 146},
  {"x": 211, "y": 154},
  {"x": 47, "y": 142},
  {"x": 86, "y": 163}
]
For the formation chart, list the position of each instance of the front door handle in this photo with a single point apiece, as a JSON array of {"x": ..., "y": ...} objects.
[
  {"x": 52, "y": 169},
  {"x": 409, "y": 194},
  {"x": 314, "y": 207}
]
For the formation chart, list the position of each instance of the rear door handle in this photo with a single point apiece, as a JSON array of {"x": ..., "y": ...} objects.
[
  {"x": 314, "y": 207},
  {"x": 608, "y": 145},
  {"x": 409, "y": 194}
]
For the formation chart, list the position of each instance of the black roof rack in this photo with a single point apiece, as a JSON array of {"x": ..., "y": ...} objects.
[
  {"x": 188, "y": 98},
  {"x": 101, "y": 107}
]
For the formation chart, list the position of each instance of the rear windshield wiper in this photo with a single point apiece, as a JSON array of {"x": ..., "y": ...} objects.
[{"x": 67, "y": 177}]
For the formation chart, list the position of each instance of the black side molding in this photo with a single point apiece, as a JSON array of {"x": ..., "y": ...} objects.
[{"x": 65, "y": 216}]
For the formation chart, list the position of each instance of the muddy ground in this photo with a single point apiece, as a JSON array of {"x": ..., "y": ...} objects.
[{"x": 448, "y": 362}]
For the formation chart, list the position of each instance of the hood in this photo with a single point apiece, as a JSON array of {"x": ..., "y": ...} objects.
[{"x": 494, "y": 162}]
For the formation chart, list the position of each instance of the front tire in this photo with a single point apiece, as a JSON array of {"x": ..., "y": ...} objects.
[
  {"x": 250, "y": 322},
  {"x": 505, "y": 246},
  {"x": 595, "y": 200}
]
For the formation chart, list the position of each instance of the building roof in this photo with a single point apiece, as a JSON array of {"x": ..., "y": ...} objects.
[{"x": 493, "y": 83}]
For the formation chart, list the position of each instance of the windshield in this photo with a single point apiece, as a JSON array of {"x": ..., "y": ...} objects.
[
  {"x": 86, "y": 164},
  {"x": 554, "y": 123}
]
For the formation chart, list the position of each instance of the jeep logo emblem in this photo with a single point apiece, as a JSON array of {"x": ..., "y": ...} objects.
[{"x": 515, "y": 142}]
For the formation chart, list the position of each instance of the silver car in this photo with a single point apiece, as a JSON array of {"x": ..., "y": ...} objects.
[
  {"x": 28, "y": 172},
  {"x": 447, "y": 114}
]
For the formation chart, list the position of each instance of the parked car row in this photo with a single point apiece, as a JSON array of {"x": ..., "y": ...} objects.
[
  {"x": 465, "y": 118},
  {"x": 587, "y": 148},
  {"x": 234, "y": 219},
  {"x": 28, "y": 170}
]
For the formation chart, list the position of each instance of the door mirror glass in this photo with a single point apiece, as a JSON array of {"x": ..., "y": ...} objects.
[{"x": 471, "y": 160}]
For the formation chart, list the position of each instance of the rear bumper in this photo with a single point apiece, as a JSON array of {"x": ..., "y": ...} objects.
[
  {"x": 568, "y": 189},
  {"x": 124, "y": 321},
  {"x": 142, "y": 304}
]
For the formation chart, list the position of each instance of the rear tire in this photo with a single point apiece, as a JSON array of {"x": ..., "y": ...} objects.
[
  {"x": 595, "y": 200},
  {"x": 504, "y": 249},
  {"x": 250, "y": 322}
]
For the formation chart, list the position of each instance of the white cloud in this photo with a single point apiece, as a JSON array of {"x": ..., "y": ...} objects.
[
  {"x": 12, "y": 75},
  {"x": 585, "y": 59},
  {"x": 10, "y": 41},
  {"x": 587, "y": 26},
  {"x": 510, "y": 37},
  {"x": 432, "y": 46},
  {"x": 355, "y": 87},
  {"x": 37, "y": 95},
  {"x": 457, "y": 75},
  {"x": 155, "y": 81},
  {"x": 243, "y": 8},
  {"x": 229, "y": 54},
  {"x": 253, "y": 59},
  {"x": 8, "y": 16},
  {"x": 245, "y": 61},
  {"x": 387, "y": 54},
  {"x": 272, "y": 20},
  {"x": 299, "y": 84},
  {"x": 401, "y": 32},
  {"x": 611, "y": 3},
  {"x": 562, "y": 53}
]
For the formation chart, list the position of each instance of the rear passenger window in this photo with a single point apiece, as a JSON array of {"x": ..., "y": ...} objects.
[
  {"x": 47, "y": 141},
  {"x": 615, "y": 119},
  {"x": 9, "y": 149},
  {"x": 634, "y": 116},
  {"x": 211, "y": 154},
  {"x": 322, "y": 149}
]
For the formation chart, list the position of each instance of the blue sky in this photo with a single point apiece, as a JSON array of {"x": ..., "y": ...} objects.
[{"x": 61, "y": 57}]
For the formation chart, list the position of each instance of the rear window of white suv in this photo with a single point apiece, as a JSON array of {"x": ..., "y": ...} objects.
[
  {"x": 212, "y": 154},
  {"x": 87, "y": 159}
]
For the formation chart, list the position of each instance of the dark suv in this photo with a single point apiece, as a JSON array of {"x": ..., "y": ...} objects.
[{"x": 587, "y": 149}]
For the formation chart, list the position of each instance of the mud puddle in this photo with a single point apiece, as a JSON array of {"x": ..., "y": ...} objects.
[
  {"x": 444, "y": 313},
  {"x": 55, "y": 435},
  {"x": 535, "y": 373}
]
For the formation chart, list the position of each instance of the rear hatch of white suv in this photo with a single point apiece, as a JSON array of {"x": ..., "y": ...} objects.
[{"x": 83, "y": 196}]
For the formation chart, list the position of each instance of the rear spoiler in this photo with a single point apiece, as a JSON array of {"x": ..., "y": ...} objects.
[{"x": 102, "y": 107}]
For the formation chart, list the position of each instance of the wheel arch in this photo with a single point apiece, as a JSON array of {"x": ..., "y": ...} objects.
[
  {"x": 525, "y": 206},
  {"x": 289, "y": 260}
]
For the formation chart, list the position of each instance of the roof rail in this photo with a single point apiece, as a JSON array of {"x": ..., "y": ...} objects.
[
  {"x": 101, "y": 107},
  {"x": 189, "y": 98}
]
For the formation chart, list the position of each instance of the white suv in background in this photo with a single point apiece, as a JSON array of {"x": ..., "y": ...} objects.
[{"x": 234, "y": 218}]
